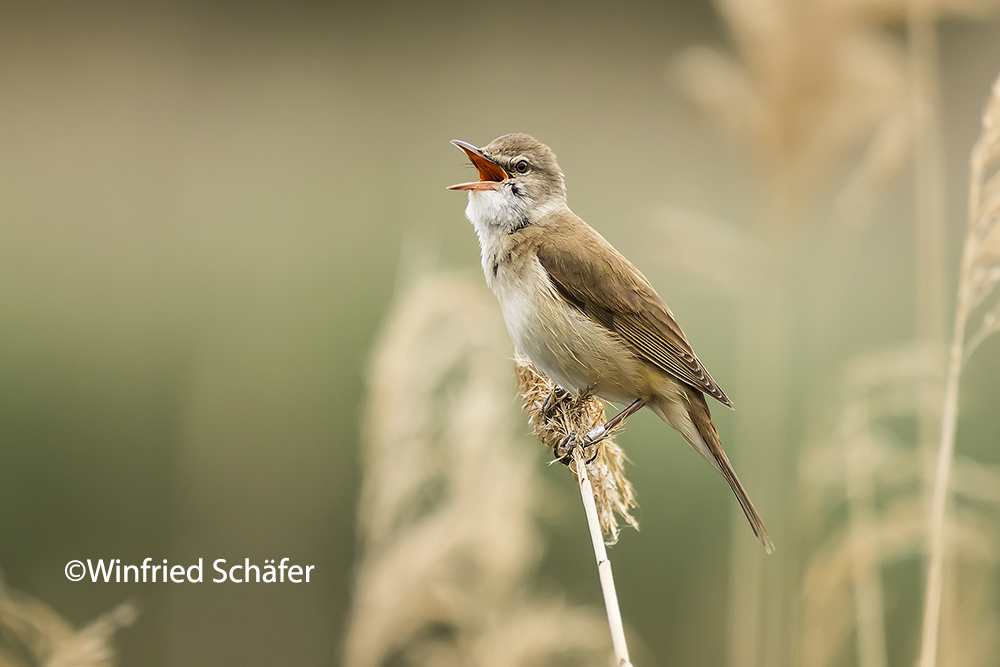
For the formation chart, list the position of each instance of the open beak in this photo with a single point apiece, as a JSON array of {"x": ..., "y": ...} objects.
[{"x": 490, "y": 173}]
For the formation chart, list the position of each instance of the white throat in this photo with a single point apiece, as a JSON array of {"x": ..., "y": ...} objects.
[
  {"x": 494, "y": 214},
  {"x": 495, "y": 209}
]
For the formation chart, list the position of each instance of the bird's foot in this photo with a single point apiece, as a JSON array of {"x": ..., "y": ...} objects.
[
  {"x": 591, "y": 448},
  {"x": 564, "y": 450}
]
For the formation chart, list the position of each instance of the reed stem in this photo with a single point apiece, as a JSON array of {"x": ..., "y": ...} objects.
[
  {"x": 603, "y": 563},
  {"x": 939, "y": 495},
  {"x": 949, "y": 419}
]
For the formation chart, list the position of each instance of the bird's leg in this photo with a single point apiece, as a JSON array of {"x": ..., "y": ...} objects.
[
  {"x": 597, "y": 433},
  {"x": 571, "y": 442}
]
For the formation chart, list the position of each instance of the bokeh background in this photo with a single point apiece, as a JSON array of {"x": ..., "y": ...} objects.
[{"x": 207, "y": 210}]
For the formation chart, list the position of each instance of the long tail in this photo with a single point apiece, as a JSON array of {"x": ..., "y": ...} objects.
[{"x": 694, "y": 422}]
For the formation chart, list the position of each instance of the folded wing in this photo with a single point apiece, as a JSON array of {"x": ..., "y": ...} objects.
[{"x": 607, "y": 288}]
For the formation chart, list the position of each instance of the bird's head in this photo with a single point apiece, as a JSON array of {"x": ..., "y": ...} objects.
[{"x": 519, "y": 180}]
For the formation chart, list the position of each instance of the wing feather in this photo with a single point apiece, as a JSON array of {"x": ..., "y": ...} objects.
[{"x": 599, "y": 281}]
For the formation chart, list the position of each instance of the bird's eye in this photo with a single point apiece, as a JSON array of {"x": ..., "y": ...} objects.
[{"x": 521, "y": 167}]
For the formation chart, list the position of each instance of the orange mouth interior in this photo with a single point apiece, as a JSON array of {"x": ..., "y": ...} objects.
[{"x": 490, "y": 173}]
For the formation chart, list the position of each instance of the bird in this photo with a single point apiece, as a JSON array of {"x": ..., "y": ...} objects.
[{"x": 579, "y": 310}]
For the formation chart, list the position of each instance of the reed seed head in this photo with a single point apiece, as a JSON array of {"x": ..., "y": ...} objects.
[{"x": 565, "y": 416}]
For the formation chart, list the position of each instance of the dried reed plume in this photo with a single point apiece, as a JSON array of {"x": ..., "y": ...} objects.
[
  {"x": 813, "y": 80},
  {"x": 979, "y": 275},
  {"x": 446, "y": 518},
  {"x": 567, "y": 414},
  {"x": 32, "y": 633}
]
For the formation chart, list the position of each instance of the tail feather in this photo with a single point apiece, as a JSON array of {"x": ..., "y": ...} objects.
[
  {"x": 741, "y": 495},
  {"x": 694, "y": 422}
]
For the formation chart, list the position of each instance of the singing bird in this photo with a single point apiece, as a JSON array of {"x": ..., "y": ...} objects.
[{"x": 578, "y": 309}]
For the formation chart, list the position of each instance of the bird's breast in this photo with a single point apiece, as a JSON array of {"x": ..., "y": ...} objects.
[{"x": 576, "y": 352}]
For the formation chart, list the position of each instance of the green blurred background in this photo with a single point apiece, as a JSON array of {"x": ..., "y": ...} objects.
[{"x": 204, "y": 209}]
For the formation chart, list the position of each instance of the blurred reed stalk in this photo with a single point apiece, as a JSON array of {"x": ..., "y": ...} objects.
[
  {"x": 857, "y": 462},
  {"x": 929, "y": 204},
  {"x": 811, "y": 82},
  {"x": 558, "y": 418},
  {"x": 860, "y": 463},
  {"x": 869, "y": 608},
  {"x": 446, "y": 518},
  {"x": 978, "y": 277},
  {"x": 32, "y": 633}
]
